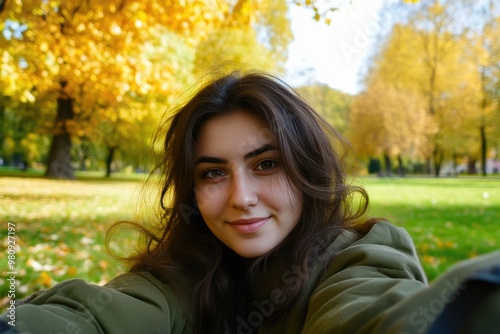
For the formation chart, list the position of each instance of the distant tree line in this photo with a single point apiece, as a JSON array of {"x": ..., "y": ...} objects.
[
  {"x": 85, "y": 85},
  {"x": 431, "y": 96}
]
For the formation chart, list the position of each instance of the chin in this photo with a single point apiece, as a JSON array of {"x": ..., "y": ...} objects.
[{"x": 251, "y": 253}]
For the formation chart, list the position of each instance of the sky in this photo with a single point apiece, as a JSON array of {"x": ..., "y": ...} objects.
[{"x": 333, "y": 54}]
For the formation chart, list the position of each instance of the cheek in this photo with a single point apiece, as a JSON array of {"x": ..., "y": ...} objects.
[
  {"x": 297, "y": 206},
  {"x": 288, "y": 208},
  {"x": 294, "y": 206},
  {"x": 208, "y": 198},
  {"x": 285, "y": 197}
]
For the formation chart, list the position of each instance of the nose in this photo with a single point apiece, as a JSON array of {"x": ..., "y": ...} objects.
[{"x": 243, "y": 192}]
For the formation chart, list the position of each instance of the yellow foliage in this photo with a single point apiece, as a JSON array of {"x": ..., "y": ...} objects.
[
  {"x": 120, "y": 63},
  {"x": 72, "y": 271},
  {"x": 45, "y": 280},
  {"x": 430, "y": 260},
  {"x": 234, "y": 50},
  {"x": 103, "y": 264},
  {"x": 8, "y": 146},
  {"x": 97, "y": 47},
  {"x": 384, "y": 116},
  {"x": 431, "y": 63}
]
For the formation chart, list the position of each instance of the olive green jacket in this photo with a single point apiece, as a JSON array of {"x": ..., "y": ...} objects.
[{"x": 373, "y": 284}]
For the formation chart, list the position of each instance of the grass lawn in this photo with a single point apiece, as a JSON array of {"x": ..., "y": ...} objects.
[
  {"x": 60, "y": 228},
  {"x": 449, "y": 219},
  {"x": 60, "y": 225}
]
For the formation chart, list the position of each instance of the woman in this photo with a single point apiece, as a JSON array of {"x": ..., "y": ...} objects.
[{"x": 260, "y": 233}]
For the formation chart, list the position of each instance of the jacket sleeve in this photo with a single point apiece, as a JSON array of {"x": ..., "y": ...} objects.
[
  {"x": 131, "y": 303},
  {"x": 376, "y": 285},
  {"x": 364, "y": 279}
]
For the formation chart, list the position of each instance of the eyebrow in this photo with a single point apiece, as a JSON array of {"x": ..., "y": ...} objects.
[{"x": 249, "y": 155}]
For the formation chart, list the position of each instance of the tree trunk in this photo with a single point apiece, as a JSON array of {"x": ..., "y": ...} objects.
[
  {"x": 374, "y": 166},
  {"x": 109, "y": 160},
  {"x": 482, "y": 129},
  {"x": 59, "y": 158},
  {"x": 454, "y": 164},
  {"x": 471, "y": 166},
  {"x": 438, "y": 160},
  {"x": 401, "y": 167},
  {"x": 428, "y": 166},
  {"x": 388, "y": 165}
]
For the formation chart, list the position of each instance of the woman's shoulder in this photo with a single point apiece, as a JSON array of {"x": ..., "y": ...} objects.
[
  {"x": 384, "y": 254},
  {"x": 353, "y": 278},
  {"x": 389, "y": 235},
  {"x": 383, "y": 238},
  {"x": 363, "y": 275}
]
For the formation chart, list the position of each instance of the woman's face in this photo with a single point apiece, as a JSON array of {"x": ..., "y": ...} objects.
[{"x": 241, "y": 189}]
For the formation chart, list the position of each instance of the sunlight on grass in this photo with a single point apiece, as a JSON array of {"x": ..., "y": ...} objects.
[
  {"x": 61, "y": 225},
  {"x": 449, "y": 219}
]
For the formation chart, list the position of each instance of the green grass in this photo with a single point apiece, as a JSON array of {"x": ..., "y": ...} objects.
[
  {"x": 449, "y": 219},
  {"x": 79, "y": 175},
  {"x": 60, "y": 228},
  {"x": 60, "y": 225}
]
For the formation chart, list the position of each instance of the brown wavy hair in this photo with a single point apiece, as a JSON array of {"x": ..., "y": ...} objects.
[{"x": 183, "y": 251}]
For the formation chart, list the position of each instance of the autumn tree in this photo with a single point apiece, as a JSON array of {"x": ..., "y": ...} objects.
[
  {"x": 458, "y": 50},
  {"x": 11, "y": 78},
  {"x": 437, "y": 27},
  {"x": 130, "y": 122},
  {"x": 429, "y": 53},
  {"x": 332, "y": 104},
  {"x": 250, "y": 42},
  {"x": 22, "y": 122},
  {"x": 84, "y": 53},
  {"x": 389, "y": 121},
  {"x": 482, "y": 53},
  {"x": 386, "y": 117}
]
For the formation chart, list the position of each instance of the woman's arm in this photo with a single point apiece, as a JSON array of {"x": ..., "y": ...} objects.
[{"x": 131, "y": 303}]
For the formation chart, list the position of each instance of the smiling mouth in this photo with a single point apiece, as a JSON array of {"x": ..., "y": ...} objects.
[{"x": 248, "y": 226}]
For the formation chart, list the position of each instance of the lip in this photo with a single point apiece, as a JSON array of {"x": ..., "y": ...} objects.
[{"x": 248, "y": 226}]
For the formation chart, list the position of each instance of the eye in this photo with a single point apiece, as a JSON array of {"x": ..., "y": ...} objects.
[
  {"x": 213, "y": 173},
  {"x": 266, "y": 165}
]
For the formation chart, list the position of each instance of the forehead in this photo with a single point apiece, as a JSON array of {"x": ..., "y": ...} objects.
[{"x": 236, "y": 132}]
